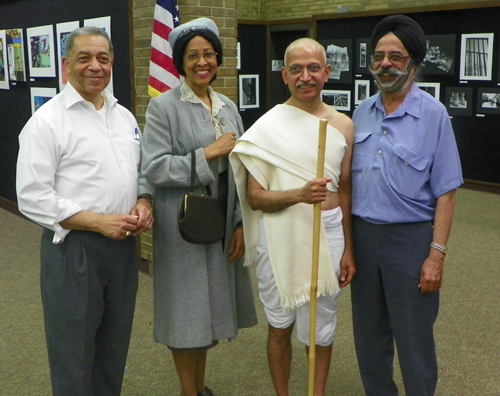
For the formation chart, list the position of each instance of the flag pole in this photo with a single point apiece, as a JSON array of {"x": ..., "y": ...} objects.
[{"x": 315, "y": 259}]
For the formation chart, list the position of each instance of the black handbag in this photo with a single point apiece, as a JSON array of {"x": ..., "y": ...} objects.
[{"x": 201, "y": 219}]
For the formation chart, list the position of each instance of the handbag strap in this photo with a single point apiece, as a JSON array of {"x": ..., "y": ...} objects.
[{"x": 193, "y": 174}]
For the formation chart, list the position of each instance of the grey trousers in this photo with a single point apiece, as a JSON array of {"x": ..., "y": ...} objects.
[
  {"x": 388, "y": 306},
  {"x": 88, "y": 285}
]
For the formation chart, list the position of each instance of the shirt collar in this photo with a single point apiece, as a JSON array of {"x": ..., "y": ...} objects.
[
  {"x": 411, "y": 104},
  {"x": 72, "y": 97},
  {"x": 187, "y": 95}
]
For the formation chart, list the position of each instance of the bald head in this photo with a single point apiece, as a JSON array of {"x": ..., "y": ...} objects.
[{"x": 305, "y": 45}]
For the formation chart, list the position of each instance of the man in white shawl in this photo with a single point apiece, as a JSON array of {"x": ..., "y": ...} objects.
[{"x": 275, "y": 166}]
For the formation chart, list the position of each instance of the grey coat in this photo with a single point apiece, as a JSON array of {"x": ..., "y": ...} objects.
[{"x": 198, "y": 295}]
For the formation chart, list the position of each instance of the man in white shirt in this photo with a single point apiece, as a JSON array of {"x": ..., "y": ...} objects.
[{"x": 77, "y": 176}]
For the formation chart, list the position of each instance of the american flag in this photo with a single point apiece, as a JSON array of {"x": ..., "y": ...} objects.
[{"x": 162, "y": 73}]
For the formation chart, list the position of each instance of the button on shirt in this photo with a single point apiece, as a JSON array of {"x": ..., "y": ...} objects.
[
  {"x": 404, "y": 161},
  {"x": 74, "y": 158}
]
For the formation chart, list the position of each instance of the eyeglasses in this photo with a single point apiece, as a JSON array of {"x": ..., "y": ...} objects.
[
  {"x": 209, "y": 55},
  {"x": 296, "y": 70},
  {"x": 393, "y": 58}
]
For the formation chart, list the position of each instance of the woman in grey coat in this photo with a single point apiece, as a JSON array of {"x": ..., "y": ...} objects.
[{"x": 202, "y": 293}]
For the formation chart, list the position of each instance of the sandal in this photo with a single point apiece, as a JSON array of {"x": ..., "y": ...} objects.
[{"x": 206, "y": 392}]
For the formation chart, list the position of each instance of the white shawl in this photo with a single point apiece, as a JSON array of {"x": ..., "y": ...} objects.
[{"x": 280, "y": 151}]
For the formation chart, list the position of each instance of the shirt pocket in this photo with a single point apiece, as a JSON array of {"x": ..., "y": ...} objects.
[
  {"x": 358, "y": 154},
  {"x": 409, "y": 172}
]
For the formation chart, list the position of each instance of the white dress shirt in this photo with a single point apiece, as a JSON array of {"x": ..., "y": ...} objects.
[{"x": 74, "y": 158}]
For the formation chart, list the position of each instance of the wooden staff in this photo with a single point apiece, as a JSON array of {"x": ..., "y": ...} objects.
[{"x": 315, "y": 259}]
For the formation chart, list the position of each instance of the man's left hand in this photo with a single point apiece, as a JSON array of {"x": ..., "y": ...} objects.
[
  {"x": 431, "y": 276},
  {"x": 347, "y": 270}
]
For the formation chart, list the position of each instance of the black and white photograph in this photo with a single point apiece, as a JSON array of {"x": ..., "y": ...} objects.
[
  {"x": 440, "y": 56},
  {"x": 4, "y": 70},
  {"x": 458, "y": 101},
  {"x": 476, "y": 56},
  {"x": 338, "y": 56},
  {"x": 361, "y": 91},
  {"x": 339, "y": 100},
  {"x": 364, "y": 52},
  {"x": 431, "y": 88},
  {"x": 249, "y": 91},
  {"x": 41, "y": 51},
  {"x": 488, "y": 100}
]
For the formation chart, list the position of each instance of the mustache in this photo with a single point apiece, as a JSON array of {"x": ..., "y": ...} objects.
[
  {"x": 389, "y": 71},
  {"x": 301, "y": 84}
]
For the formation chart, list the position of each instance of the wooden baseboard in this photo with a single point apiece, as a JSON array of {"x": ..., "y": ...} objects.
[
  {"x": 10, "y": 206},
  {"x": 481, "y": 186}
]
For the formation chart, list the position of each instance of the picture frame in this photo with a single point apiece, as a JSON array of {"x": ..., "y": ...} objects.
[
  {"x": 361, "y": 91},
  {"x": 249, "y": 91},
  {"x": 488, "y": 101},
  {"x": 338, "y": 99},
  {"x": 476, "y": 56},
  {"x": 41, "y": 51},
  {"x": 432, "y": 88},
  {"x": 458, "y": 101},
  {"x": 4, "y": 68},
  {"x": 62, "y": 32},
  {"x": 440, "y": 55},
  {"x": 15, "y": 55},
  {"x": 238, "y": 55},
  {"x": 363, "y": 58},
  {"x": 339, "y": 57},
  {"x": 40, "y": 96}
]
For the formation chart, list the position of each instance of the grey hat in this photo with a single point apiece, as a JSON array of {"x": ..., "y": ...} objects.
[{"x": 191, "y": 26}]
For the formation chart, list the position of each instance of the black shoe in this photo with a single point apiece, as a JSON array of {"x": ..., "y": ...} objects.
[{"x": 206, "y": 392}]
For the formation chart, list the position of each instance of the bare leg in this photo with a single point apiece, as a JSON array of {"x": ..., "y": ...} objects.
[
  {"x": 186, "y": 365},
  {"x": 201, "y": 365},
  {"x": 322, "y": 367},
  {"x": 279, "y": 355}
]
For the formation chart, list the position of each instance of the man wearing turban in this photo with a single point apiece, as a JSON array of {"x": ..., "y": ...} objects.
[{"x": 405, "y": 172}]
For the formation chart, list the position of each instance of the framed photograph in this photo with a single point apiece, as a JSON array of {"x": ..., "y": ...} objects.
[
  {"x": 249, "y": 91},
  {"x": 431, "y": 88},
  {"x": 476, "y": 56},
  {"x": 488, "y": 100},
  {"x": 15, "y": 54},
  {"x": 105, "y": 24},
  {"x": 361, "y": 91},
  {"x": 41, "y": 51},
  {"x": 458, "y": 101},
  {"x": 364, "y": 52},
  {"x": 440, "y": 56},
  {"x": 62, "y": 32},
  {"x": 338, "y": 56},
  {"x": 339, "y": 100},
  {"x": 40, "y": 96},
  {"x": 4, "y": 69}
]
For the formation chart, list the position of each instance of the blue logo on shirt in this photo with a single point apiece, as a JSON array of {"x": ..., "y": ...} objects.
[{"x": 136, "y": 135}]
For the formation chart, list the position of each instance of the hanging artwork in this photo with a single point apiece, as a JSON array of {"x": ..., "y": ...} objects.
[
  {"x": 476, "y": 56},
  {"x": 361, "y": 91},
  {"x": 15, "y": 54},
  {"x": 364, "y": 51},
  {"x": 440, "y": 55},
  {"x": 338, "y": 56},
  {"x": 488, "y": 100},
  {"x": 459, "y": 101},
  {"x": 62, "y": 32},
  {"x": 40, "y": 96},
  {"x": 4, "y": 70},
  {"x": 105, "y": 24},
  {"x": 249, "y": 91},
  {"x": 41, "y": 51},
  {"x": 339, "y": 100},
  {"x": 432, "y": 88}
]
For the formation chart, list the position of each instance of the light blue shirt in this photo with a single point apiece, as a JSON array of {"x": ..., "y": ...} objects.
[{"x": 404, "y": 161}]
